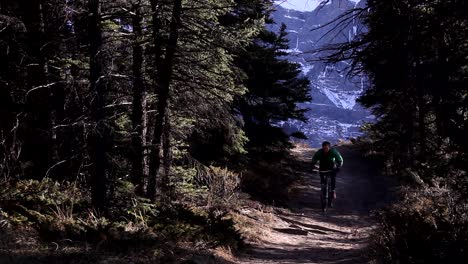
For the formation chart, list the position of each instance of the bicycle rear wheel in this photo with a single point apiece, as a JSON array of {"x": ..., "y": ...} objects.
[
  {"x": 324, "y": 194},
  {"x": 330, "y": 193}
]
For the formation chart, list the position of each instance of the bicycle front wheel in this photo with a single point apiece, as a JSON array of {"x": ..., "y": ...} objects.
[
  {"x": 324, "y": 196},
  {"x": 329, "y": 193}
]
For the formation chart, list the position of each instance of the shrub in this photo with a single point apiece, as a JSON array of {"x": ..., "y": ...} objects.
[
  {"x": 427, "y": 226},
  {"x": 223, "y": 186},
  {"x": 62, "y": 212}
]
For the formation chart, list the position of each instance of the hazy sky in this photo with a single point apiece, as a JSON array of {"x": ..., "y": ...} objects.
[{"x": 303, "y": 5}]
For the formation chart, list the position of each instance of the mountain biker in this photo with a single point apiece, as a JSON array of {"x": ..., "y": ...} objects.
[{"x": 330, "y": 160}]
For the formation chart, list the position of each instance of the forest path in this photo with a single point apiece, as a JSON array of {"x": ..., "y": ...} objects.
[{"x": 303, "y": 234}]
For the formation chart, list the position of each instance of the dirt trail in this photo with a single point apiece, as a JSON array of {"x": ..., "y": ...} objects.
[{"x": 303, "y": 234}]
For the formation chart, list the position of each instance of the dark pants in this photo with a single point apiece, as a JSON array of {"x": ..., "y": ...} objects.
[{"x": 333, "y": 178}]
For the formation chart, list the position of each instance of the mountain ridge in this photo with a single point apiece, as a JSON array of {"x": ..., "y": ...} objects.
[{"x": 334, "y": 114}]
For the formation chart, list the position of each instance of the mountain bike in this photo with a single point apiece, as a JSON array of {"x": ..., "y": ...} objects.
[{"x": 326, "y": 193}]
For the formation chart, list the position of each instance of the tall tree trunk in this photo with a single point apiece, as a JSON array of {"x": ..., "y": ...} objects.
[
  {"x": 439, "y": 89},
  {"x": 53, "y": 29},
  {"x": 138, "y": 93},
  {"x": 146, "y": 138},
  {"x": 163, "y": 82},
  {"x": 72, "y": 135},
  {"x": 97, "y": 136},
  {"x": 439, "y": 120},
  {"x": 153, "y": 153},
  {"x": 418, "y": 84},
  {"x": 37, "y": 142},
  {"x": 421, "y": 123},
  {"x": 166, "y": 187},
  {"x": 6, "y": 126},
  {"x": 411, "y": 134}
]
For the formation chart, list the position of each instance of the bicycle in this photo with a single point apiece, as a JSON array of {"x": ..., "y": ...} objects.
[{"x": 326, "y": 193}]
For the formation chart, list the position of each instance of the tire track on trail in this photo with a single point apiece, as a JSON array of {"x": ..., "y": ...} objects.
[{"x": 303, "y": 234}]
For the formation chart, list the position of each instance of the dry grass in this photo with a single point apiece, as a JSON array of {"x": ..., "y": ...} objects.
[
  {"x": 345, "y": 142},
  {"x": 254, "y": 221},
  {"x": 225, "y": 253},
  {"x": 300, "y": 147}
]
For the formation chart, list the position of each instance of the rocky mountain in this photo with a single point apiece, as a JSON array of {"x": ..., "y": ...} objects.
[{"x": 334, "y": 112}]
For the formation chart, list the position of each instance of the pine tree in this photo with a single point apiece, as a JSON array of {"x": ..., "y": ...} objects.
[
  {"x": 84, "y": 80},
  {"x": 100, "y": 132},
  {"x": 138, "y": 98},
  {"x": 275, "y": 90},
  {"x": 413, "y": 54}
]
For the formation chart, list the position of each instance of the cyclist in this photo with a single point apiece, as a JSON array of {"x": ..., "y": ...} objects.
[{"x": 330, "y": 160}]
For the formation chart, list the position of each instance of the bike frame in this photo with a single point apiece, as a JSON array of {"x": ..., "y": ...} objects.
[{"x": 326, "y": 196}]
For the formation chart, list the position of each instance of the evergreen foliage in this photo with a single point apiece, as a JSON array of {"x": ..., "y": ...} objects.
[
  {"x": 274, "y": 91},
  {"x": 415, "y": 54},
  {"x": 96, "y": 94}
]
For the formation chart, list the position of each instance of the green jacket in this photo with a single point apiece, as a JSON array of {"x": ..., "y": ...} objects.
[{"x": 327, "y": 161}]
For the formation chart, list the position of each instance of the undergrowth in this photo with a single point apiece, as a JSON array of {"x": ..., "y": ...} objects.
[
  {"x": 429, "y": 221},
  {"x": 45, "y": 218},
  {"x": 427, "y": 226}
]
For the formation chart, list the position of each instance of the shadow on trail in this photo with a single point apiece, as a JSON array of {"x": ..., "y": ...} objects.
[
  {"x": 308, "y": 254},
  {"x": 292, "y": 231},
  {"x": 324, "y": 230}
]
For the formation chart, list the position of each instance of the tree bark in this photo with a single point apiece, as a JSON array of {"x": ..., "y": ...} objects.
[
  {"x": 166, "y": 188},
  {"x": 146, "y": 139},
  {"x": 98, "y": 135},
  {"x": 422, "y": 123},
  {"x": 163, "y": 82},
  {"x": 37, "y": 141},
  {"x": 138, "y": 93}
]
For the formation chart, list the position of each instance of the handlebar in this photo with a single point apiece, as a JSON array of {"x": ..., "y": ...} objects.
[{"x": 322, "y": 171}]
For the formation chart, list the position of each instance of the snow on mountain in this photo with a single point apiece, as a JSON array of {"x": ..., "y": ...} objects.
[
  {"x": 306, "y": 68},
  {"x": 304, "y": 5},
  {"x": 334, "y": 114},
  {"x": 291, "y": 17}
]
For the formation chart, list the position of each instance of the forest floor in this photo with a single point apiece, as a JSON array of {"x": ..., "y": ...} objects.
[
  {"x": 301, "y": 233},
  {"x": 296, "y": 232}
]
